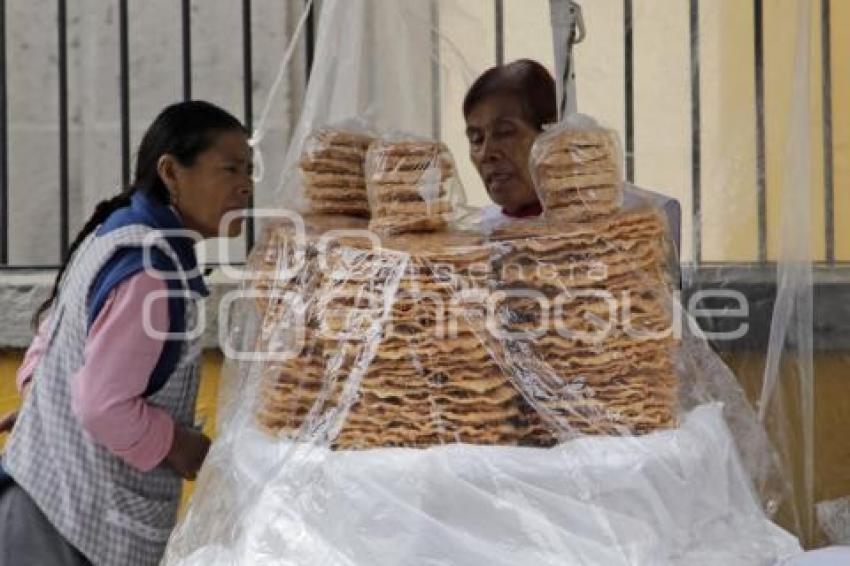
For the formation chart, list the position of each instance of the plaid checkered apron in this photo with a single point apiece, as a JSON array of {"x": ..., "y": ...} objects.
[{"x": 113, "y": 513}]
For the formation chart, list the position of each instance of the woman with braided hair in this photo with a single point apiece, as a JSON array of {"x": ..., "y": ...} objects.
[{"x": 105, "y": 435}]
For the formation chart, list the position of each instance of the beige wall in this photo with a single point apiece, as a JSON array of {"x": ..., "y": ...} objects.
[{"x": 841, "y": 124}]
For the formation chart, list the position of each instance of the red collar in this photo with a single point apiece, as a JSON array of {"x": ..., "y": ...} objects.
[{"x": 527, "y": 211}]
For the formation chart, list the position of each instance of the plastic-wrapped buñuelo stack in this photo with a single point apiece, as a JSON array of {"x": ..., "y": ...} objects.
[
  {"x": 577, "y": 169},
  {"x": 595, "y": 298},
  {"x": 448, "y": 363},
  {"x": 411, "y": 185},
  {"x": 332, "y": 167}
]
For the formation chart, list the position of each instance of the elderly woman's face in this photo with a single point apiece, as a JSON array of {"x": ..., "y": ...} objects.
[
  {"x": 500, "y": 141},
  {"x": 218, "y": 182}
]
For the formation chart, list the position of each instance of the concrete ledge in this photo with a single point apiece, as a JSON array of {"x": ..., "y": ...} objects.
[
  {"x": 22, "y": 292},
  {"x": 758, "y": 283},
  {"x": 20, "y": 295}
]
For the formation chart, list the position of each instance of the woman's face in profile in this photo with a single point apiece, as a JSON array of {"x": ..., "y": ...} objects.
[
  {"x": 217, "y": 183},
  {"x": 500, "y": 140}
]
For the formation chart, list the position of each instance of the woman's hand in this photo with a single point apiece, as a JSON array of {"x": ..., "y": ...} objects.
[
  {"x": 188, "y": 451},
  {"x": 7, "y": 421}
]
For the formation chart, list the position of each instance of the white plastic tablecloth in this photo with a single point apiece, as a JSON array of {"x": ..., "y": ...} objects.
[{"x": 674, "y": 497}]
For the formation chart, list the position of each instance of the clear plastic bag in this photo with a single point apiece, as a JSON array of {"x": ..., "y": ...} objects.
[
  {"x": 577, "y": 169},
  {"x": 412, "y": 185},
  {"x": 466, "y": 314},
  {"x": 593, "y": 302},
  {"x": 332, "y": 167}
]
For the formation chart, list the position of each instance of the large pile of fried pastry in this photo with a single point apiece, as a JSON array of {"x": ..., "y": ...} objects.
[{"x": 395, "y": 348}]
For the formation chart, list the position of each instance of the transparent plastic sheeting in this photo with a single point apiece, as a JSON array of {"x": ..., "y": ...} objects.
[
  {"x": 318, "y": 459},
  {"x": 470, "y": 395},
  {"x": 606, "y": 500},
  {"x": 388, "y": 438}
]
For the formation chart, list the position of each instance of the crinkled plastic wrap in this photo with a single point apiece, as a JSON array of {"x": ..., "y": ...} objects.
[
  {"x": 834, "y": 518},
  {"x": 412, "y": 185},
  {"x": 589, "y": 306},
  {"x": 507, "y": 341},
  {"x": 595, "y": 500},
  {"x": 332, "y": 168},
  {"x": 523, "y": 395},
  {"x": 577, "y": 167}
]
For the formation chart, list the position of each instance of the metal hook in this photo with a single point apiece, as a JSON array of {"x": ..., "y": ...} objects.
[{"x": 578, "y": 18}]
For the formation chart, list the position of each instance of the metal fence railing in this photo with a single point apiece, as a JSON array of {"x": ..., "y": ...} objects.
[
  {"x": 125, "y": 93},
  {"x": 696, "y": 166}
]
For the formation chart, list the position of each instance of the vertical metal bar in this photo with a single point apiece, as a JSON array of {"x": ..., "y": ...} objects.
[
  {"x": 828, "y": 155},
  {"x": 630, "y": 95},
  {"x": 186, "y": 45},
  {"x": 499, "y": 10},
  {"x": 124, "y": 91},
  {"x": 310, "y": 40},
  {"x": 247, "y": 65},
  {"x": 761, "y": 170},
  {"x": 4, "y": 144},
  {"x": 63, "y": 128},
  {"x": 696, "y": 139},
  {"x": 436, "y": 106},
  {"x": 248, "y": 99}
]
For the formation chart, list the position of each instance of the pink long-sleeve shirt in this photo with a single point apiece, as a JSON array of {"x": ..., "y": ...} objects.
[{"x": 120, "y": 356}]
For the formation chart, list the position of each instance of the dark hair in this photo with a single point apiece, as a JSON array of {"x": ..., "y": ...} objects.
[
  {"x": 525, "y": 79},
  {"x": 183, "y": 130}
]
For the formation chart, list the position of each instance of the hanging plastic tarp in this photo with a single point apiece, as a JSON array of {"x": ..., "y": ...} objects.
[{"x": 415, "y": 381}]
